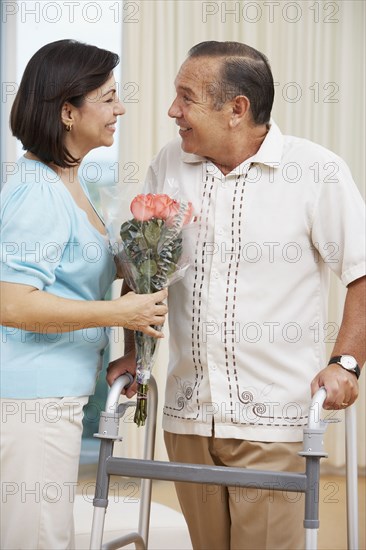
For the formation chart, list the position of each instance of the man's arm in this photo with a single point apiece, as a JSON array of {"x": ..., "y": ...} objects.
[
  {"x": 126, "y": 363},
  {"x": 342, "y": 385}
]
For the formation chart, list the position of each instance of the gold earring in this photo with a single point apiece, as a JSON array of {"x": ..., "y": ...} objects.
[{"x": 68, "y": 127}]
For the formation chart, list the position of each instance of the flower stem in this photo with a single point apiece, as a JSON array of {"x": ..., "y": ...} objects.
[{"x": 141, "y": 405}]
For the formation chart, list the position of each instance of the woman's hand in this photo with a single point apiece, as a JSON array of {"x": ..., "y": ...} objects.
[
  {"x": 140, "y": 311},
  {"x": 27, "y": 308}
]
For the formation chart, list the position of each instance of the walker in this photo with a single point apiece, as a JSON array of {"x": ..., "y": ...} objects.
[{"x": 148, "y": 469}]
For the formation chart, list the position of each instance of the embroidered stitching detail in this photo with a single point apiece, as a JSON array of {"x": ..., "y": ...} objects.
[
  {"x": 185, "y": 390},
  {"x": 230, "y": 300},
  {"x": 258, "y": 409},
  {"x": 196, "y": 311}
]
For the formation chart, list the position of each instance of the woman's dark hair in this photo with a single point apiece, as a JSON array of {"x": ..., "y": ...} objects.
[
  {"x": 62, "y": 71},
  {"x": 244, "y": 71}
]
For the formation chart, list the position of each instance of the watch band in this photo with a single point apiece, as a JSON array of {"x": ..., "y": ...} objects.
[{"x": 338, "y": 358}]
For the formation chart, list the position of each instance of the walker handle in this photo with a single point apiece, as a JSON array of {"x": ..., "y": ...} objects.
[
  {"x": 317, "y": 402},
  {"x": 123, "y": 381}
]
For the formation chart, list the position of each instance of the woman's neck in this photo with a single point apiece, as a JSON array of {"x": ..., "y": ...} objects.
[{"x": 68, "y": 175}]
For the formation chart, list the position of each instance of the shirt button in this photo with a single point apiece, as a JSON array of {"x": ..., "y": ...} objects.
[
  {"x": 213, "y": 367},
  {"x": 219, "y": 231}
]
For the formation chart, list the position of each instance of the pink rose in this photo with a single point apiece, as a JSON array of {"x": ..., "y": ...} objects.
[
  {"x": 174, "y": 209},
  {"x": 163, "y": 206},
  {"x": 143, "y": 207}
]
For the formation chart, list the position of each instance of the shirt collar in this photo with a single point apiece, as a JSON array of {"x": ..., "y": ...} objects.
[{"x": 269, "y": 153}]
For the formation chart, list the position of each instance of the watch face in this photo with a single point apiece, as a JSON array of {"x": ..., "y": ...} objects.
[{"x": 348, "y": 362}]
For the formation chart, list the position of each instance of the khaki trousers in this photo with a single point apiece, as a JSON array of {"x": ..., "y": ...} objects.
[
  {"x": 40, "y": 449},
  {"x": 233, "y": 518}
]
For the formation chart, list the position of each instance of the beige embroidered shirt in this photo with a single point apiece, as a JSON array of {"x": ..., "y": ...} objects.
[{"x": 248, "y": 322}]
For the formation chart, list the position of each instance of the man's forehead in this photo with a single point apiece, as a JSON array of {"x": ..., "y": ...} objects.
[{"x": 196, "y": 70}]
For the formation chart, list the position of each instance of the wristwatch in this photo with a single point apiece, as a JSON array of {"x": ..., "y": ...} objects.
[{"x": 347, "y": 362}]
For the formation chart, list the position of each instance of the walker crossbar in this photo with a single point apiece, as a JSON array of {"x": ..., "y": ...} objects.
[
  {"x": 215, "y": 475},
  {"x": 148, "y": 469}
]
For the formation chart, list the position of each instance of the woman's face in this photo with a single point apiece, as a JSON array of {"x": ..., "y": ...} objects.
[{"x": 94, "y": 123}]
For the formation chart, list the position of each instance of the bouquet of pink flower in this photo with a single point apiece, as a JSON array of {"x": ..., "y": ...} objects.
[{"x": 151, "y": 252}]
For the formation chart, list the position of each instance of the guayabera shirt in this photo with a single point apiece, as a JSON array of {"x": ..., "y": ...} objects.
[{"x": 248, "y": 321}]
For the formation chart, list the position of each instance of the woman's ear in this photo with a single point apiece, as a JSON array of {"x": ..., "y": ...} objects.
[{"x": 67, "y": 116}]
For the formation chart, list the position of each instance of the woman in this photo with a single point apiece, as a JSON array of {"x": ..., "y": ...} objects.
[{"x": 56, "y": 267}]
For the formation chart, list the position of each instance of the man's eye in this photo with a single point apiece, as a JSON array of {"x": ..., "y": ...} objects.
[{"x": 186, "y": 98}]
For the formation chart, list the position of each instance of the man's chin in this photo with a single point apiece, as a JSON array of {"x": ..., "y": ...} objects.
[{"x": 185, "y": 146}]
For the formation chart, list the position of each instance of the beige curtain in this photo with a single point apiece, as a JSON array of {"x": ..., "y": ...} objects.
[{"x": 317, "y": 54}]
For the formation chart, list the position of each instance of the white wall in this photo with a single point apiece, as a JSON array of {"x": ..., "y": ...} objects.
[{"x": 28, "y": 25}]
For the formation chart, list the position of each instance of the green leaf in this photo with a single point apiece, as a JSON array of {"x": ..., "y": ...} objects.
[
  {"x": 130, "y": 230},
  {"x": 148, "y": 268},
  {"x": 152, "y": 232}
]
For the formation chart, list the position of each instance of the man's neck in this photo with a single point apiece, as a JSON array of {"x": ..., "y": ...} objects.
[{"x": 244, "y": 148}]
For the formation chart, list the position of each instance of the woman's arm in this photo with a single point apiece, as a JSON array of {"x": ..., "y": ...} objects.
[
  {"x": 27, "y": 308},
  {"x": 126, "y": 363}
]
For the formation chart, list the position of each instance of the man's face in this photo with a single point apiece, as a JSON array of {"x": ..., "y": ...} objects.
[{"x": 203, "y": 129}]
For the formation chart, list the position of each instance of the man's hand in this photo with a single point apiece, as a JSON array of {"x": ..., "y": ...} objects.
[
  {"x": 341, "y": 386},
  {"x": 126, "y": 363}
]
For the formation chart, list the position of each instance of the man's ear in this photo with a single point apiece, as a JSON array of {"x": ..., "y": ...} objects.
[{"x": 240, "y": 109}]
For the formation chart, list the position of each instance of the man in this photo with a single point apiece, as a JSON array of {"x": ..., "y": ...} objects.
[{"x": 248, "y": 320}]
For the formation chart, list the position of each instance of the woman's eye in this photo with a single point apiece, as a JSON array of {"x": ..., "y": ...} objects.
[{"x": 109, "y": 100}]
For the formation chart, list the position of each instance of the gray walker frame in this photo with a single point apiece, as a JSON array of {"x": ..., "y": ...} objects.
[{"x": 148, "y": 469}]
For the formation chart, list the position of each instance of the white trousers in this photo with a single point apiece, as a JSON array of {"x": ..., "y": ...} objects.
[{"x": 40, "y": 450}]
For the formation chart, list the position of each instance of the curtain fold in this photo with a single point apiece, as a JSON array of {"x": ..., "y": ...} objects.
[{"x": 317, "y": 54}]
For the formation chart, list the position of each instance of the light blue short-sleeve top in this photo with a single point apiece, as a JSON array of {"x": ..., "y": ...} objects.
[{"x": 47, "y": 242}]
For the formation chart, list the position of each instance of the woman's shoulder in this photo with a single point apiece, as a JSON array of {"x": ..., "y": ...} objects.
[
  {"x": 28, "y": 172},
  {"x": 34, "y": 205},
  {"x": 32, "y": 181}
]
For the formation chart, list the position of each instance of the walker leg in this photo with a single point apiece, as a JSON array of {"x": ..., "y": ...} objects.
[
  {"x": 311, "y": 539},
  {"x": 351, "y": 472},
  {"x": 97, "y": 529},
  {"x": 100, "y": 501},
  {"x": 149, "y": 446},
  {"x": 311, "y": 521}
]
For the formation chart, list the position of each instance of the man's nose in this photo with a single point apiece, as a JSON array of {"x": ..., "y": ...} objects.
[{"x": 174, "y": 110}]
